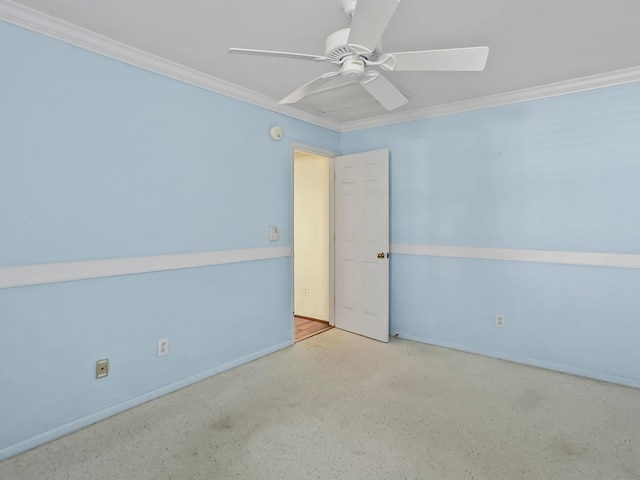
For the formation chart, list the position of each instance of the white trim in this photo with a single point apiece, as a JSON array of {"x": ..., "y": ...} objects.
[
  {"x": 629, "y": 382},
  {"x": 302, "y": 147},
  {"x": 121, "y": 407},
  {"x": 24, "y": 275},
  {"x": 592, "y": 259},
  {"x": 601, "y": 80},
  {"x": 332, "y": 240},
  {"x": 39, "y": 22}
]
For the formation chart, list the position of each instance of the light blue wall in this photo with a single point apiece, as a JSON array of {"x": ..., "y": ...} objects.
[
  {"x": 101, "y": 160},
  {"x": 555, "y": 174}
]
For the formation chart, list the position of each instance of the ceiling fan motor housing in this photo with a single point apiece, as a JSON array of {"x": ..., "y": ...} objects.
[
  {"x": 336, "y": 47},
  {"x": 353, "y": 68}
]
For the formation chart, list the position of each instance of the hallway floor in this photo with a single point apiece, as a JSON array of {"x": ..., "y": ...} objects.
[
  {"x": 305, "y": 328},
  {"x": 339, "y": 406}
]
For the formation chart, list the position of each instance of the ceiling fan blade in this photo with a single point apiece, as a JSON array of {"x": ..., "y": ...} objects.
[
  {"x": 472, "y": 59},
  {"x": 271, "y": 53},
  {"x": 308, "y": 88},
  {"x": 370, "y": 20},
  {"x": 385, "y": 92}
]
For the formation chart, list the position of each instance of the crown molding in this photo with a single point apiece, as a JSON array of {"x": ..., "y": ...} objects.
[
  {"x": 39, "y": 22},
  {"x": 45, "y": 24},
  {"x": 601, "y": 80}
]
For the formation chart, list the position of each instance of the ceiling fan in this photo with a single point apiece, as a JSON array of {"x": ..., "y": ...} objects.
[{"x": 355, "y": 50}]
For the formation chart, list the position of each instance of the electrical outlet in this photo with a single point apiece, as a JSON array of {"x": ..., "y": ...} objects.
[
  {"x": 102, "y": 368},
  {"x": 163, "y": 347},
  {"x": 306, "y": 291},
  {"x": 500, "y": 321}
]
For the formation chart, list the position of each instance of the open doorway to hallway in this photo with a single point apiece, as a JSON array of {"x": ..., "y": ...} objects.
[{"x": 311, "y": 244}]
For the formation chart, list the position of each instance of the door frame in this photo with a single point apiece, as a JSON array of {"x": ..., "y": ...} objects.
[{"x": 300, "y": 147}]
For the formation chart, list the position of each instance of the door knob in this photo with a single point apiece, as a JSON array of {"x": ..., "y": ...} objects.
[{"x": 380, "y": 254}]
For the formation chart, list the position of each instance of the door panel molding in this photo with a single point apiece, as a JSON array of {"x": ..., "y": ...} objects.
[{"x": 361, "y": 233}]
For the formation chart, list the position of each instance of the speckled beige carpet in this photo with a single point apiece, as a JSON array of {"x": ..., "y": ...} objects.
[{"x": 344, "y": 407}]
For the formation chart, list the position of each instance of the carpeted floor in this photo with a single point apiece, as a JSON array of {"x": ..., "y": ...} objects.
[{"x": 341, "y": 406}]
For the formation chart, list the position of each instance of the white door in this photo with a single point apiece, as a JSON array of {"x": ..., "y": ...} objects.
[{"x": 362, "y": 244}]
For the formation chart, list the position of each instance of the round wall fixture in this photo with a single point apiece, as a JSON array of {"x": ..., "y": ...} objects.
[{"x": 275, "y": 133}]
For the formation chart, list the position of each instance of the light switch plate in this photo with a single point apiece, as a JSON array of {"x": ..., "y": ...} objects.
[{"x": 274, "y": 234}]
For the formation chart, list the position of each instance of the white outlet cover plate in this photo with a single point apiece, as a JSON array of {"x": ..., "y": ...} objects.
[{"x": 163, "y": 347}]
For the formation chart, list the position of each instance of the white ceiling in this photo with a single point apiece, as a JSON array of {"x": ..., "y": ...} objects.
[{"x": 532, "y": 42}]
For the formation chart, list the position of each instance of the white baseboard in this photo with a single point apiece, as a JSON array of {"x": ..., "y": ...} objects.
[
  {"x": 121, "y": 407},
  {"x": 627, "y": 382}
]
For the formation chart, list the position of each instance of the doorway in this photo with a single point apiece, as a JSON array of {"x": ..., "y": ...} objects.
[
  {"x": 311, "y": 245},
  {"x": 340, "y": 217}
]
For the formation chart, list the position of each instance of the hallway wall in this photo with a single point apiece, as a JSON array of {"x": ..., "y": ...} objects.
[{"x": 311, "y": 235}]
